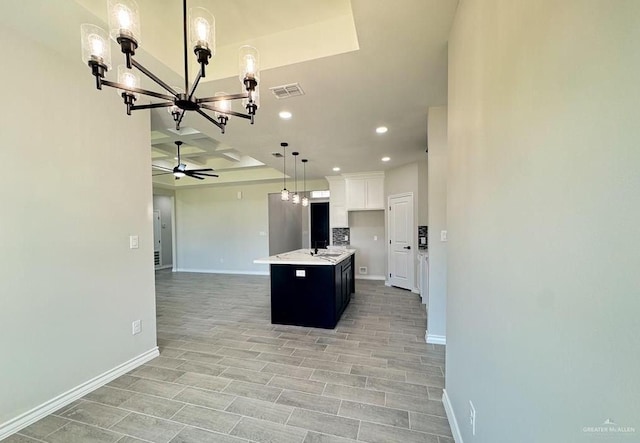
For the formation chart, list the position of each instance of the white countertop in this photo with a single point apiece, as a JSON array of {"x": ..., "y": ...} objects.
[{"x": 304, "y": 257}]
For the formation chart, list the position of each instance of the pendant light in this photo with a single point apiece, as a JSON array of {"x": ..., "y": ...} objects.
[
  {"x": 284, "y": 194},
  {"x": 296, "y": 196},
  {"x": 305, "y": 199}
]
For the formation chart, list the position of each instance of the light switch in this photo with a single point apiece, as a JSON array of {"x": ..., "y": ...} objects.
[
  {"x": 375, "y": 238},
  {"x": 133, "y": 242},
  {"x": 423, "y": 240},
  {"x": 301, "y": 273},
  {"x": 443, "y": 235},
  {"x": 346, "y": 238}
]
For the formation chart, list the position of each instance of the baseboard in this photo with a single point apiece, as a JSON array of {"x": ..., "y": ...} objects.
[
  {"x": 22, "y": 421},
  {"x": 416, "y": 291},
  {"x": 158, "y": 268},
  {"x": 370, "y": 277},
  {"x": 435, "y": 339},
  {"x": 453, "y": 423},
  {"x": 222, "y": 271}
]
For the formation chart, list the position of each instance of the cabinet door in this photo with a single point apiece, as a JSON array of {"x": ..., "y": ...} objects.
[
  {"x": 356, "y": 193},
  {"x": 375, "y": 193}
]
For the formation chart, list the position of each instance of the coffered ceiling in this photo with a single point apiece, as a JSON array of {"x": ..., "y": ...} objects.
[{"x": 360, "y": 63}]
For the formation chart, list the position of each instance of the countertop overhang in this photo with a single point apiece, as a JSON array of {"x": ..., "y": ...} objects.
[{"x": 305, "y": 257}]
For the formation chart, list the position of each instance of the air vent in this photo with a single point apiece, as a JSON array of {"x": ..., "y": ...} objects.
[
  {"x": 156, "y": 258},
  {"x": 287, "y": 91},
  {"x": 276, "y": 154}
]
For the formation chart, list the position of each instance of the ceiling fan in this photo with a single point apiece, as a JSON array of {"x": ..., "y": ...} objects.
[{"x": 181, "y": 169}]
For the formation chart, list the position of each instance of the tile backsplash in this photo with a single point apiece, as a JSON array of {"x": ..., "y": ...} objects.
[
  {"x": 339, "y": 235},
  {"x": 423, "y": 232}
]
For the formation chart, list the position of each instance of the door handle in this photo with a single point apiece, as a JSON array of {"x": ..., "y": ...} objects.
[{"x": 407, "y": 247}]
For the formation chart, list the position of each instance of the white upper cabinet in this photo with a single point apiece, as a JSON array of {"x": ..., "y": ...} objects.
[
  {"x": 364, "y": 191},
  {"x": 338, "y": 216}
]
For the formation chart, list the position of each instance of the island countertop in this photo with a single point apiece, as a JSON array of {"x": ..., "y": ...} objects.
[{"x": 325, "y": 257}]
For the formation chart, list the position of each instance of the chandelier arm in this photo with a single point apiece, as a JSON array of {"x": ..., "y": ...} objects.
[
  {"x": 228, "y": 112},
  {"x": 152, "y": 105},
  {"x": 219, "y": 98},
  {"x": 195, "y": 84},
  {"x": 137, "y": 90},
  {"x": 153, "y": 77},
  {"x": 211, "y": 119}
]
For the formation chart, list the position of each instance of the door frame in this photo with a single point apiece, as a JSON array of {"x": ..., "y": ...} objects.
[
  {"x": 412, "y": 236},
  {"x": 159, "y": 214}
]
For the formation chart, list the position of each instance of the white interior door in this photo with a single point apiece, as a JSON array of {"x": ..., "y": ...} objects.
[
  {"x": 401, "y": 253},
  {"x": 157, "y": 235}
]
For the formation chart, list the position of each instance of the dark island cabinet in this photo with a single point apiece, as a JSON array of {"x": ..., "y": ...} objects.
[{"x": 311, "y": 295}]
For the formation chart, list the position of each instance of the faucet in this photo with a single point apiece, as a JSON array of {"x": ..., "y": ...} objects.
[{"x": 322, "y": 242}]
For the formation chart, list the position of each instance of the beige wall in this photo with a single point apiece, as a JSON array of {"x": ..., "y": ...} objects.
[
  {"x": 543, "y": 210},
  {"x": 76, "y": 184},
  {"x": 364, "y": 227},
  {"x": 403, "y": 179},
  {"x": 217, "y": 232},
  {"x": 438, "y": 152}
]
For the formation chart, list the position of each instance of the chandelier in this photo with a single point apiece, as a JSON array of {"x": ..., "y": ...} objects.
[{"x": 199, "y": 33}]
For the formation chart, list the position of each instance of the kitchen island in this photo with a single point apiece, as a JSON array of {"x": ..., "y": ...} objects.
[{"x": 309, "y": 289}]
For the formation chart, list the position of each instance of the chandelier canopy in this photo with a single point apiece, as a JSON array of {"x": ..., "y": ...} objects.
[{"x": 198, "y": 33}]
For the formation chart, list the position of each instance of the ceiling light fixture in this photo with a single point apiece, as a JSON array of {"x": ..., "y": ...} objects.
[
  {"x": 305, "y": 199},
  {"x": 284, "y": 194},
  {"x": 296, "y": 196},
  {"x": 124, "y": 24},
  {"x": 381, "y": 129},
  {"x": 285, "y": 115},
  {"x": 336, "y": 169},
  {"x": 385, "y": 159}
]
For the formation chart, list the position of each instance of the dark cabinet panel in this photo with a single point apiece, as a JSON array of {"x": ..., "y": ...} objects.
[{"x": 313, "y": 296}]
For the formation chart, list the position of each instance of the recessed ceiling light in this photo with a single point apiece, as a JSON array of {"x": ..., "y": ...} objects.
[
  {"x": 381, "y": 129},
  {"x": 336, "y": 169},
  {"x": 285, "y": 115},
  {"x": 385, "y": 159}
]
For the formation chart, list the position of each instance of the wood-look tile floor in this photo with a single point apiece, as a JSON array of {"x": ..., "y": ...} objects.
[{"x": 226, "y": 374}]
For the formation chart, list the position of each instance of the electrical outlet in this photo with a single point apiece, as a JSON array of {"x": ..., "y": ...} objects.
[
  {"x": 136, "y": 327},
  {"x": 346, "y": 238},
  {"x": 472, "y": 418}
]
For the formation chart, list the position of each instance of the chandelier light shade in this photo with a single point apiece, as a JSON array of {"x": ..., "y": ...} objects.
[
  {"x": 124, "y": 23},
  {"x": 305, "y": 199},
  {"x": 199, "y": 34},
  {"x": 202, "y": 32},
  {"x": 284, "y": 194},
  {"x": 96, "y": 49},
  {"x": 296, "y": 196}
]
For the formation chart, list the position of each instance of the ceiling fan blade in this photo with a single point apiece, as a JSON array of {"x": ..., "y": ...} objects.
[
  {"x": 206, "y": 175},
  {"x": 195, "y": 176},
  {"x": 162, "y": 168},
  {"x": 162, "y": 173},
  {"x": 201, "y": 170}
]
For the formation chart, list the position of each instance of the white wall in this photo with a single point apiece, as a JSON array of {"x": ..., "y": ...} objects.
[
  {"x": 436, "y": 314},
  {"x": 216, "y": 232},
  {"x": 364, "y": 226},
  {"x": 164, "y": 203},
  {"x": 543, "y": 212},
  {"x": 75, "y": 185}
]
